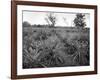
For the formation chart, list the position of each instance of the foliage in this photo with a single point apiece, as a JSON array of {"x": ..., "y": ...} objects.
[
  {"x": 26, "y": 24},
  {"x": 41, "y": 36},
  {"x": 82, "y": 56},
  {"x": 49, "y": 48},
  {"x": 52, "y": 59},
  {"x": 51, "y": 19},
  {"x": 79, "y": 21}
]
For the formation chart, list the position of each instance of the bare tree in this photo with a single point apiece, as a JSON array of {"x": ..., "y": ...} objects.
[
  {"x": 51, "y": 19},
  {"x": 65, "y": 20}
]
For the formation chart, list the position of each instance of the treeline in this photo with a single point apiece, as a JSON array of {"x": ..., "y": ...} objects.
[
  {"x": 51, "y": 21},
  {"x": 27, "y": 24}
]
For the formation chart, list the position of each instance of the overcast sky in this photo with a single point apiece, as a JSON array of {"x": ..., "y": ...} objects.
[{"x": 63, "y": 19}]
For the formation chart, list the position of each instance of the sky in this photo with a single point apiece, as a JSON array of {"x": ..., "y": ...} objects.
[{"x": 63, "y": 19}]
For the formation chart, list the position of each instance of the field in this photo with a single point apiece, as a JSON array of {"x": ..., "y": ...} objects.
[{"x": 55, "y": 47}]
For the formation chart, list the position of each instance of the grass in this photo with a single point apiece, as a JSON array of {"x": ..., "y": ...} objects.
[{"x": 55, "y": 47}]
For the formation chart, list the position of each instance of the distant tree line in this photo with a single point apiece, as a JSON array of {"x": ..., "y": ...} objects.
[{"x": 51, "y": 20}]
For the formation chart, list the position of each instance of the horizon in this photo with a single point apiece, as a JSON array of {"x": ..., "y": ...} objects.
[{"x": 38, "y": 18}]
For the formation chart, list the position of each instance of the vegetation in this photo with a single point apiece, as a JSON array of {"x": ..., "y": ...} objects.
[
  {"x": 49, "y": 47},
  {"x": 79, "y": 20},
  {"x": 51, "y": 19},
  {"x": 26, "y": 24}
]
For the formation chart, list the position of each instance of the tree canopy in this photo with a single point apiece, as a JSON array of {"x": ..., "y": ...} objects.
[
  {"x": 79, "y": 20},
  {"x": 51, "y": 19},
  {"x": 26, "y": 24}
]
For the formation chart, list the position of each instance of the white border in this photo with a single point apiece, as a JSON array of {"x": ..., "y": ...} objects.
[{"x": 21, "y": 71}]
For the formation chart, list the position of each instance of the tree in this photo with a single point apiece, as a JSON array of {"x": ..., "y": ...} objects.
[
  {"x": 79, "y": 21},
  {"x": 26, "y": 24},
  {"x": 51, "y": 19}
]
